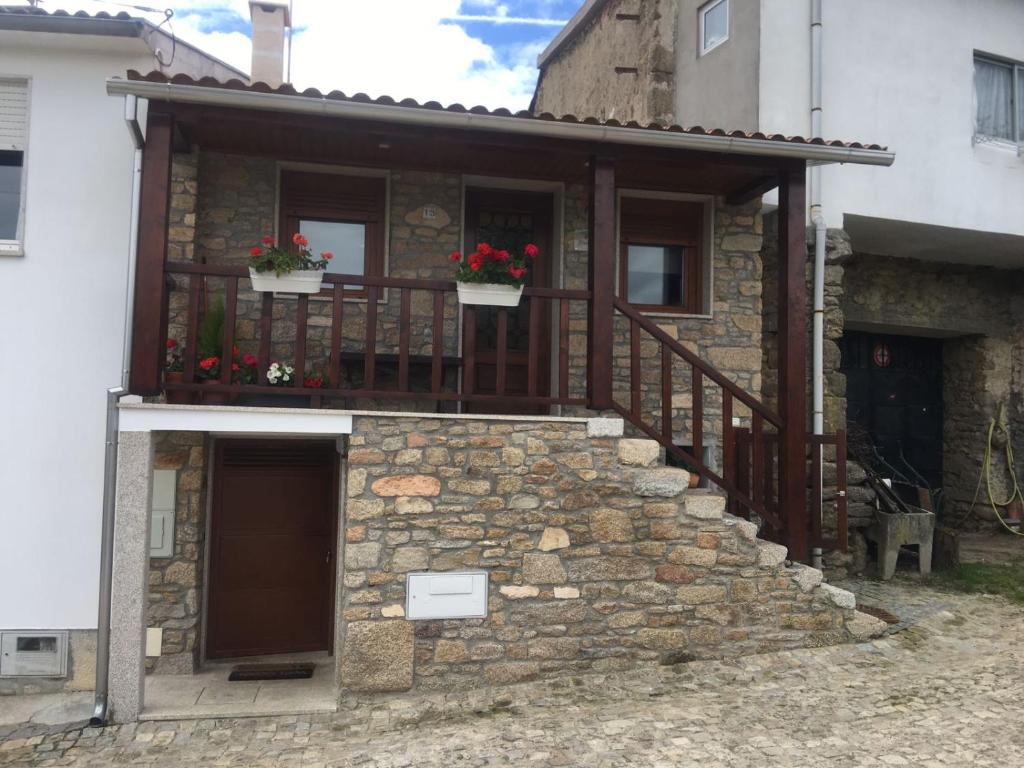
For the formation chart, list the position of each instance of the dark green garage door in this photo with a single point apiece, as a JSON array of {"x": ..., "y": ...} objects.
[{"x": 894, "y": 391}]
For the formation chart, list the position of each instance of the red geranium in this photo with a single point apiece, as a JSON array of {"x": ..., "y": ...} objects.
[
  {"x": 249, "y": 359},
  {"x": 172, "y": 343},
  {"x": 326, "y": 255},
  {"x": 255, "y": 251},
  {"x": 269, "y": 257},
  {"x": 488, "y": 264},
  {"x": 209, "y": 362},
  {"x": 268, "y": 240},
  {"x": 314, "y": 382},
  {"x": 300, "y": 239}
]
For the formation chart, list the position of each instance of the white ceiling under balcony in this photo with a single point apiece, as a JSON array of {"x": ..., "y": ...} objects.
[{"x": 912, "y": 240}]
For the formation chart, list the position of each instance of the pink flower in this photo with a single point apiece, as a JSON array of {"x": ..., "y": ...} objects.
[
  {"x": 484, "y": 249},
  {"x": 531, "y": 250},
  {"x": 501, "y": 256},
  {"x": 326, "y": 255},
  {"x": 517, "y": 272}
]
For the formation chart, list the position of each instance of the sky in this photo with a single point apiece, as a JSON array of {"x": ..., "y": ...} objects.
[{"x": 466, "y": 51}]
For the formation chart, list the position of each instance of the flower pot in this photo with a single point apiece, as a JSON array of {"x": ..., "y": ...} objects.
[
  {"x": 177, "y": 396},
  {"x": 216, "y": 398},
  {"x": 491, "y": 294},
  {"x": 299, "y": 281}
]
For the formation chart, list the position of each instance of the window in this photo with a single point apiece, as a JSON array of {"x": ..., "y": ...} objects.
[
  {"x": 661, "y": 254},
  {"x": 13, "y": 139},
  {"x": 338, "y": 213},
  {"x": 714, "y": 24},
  {"x": 999, "y": 98}
]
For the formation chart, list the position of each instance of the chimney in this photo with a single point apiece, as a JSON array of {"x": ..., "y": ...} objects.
[{"x": 270, "y": 18}]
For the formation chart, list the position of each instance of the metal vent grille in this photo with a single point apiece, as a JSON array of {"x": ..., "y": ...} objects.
[{"x": 277, "y": 454}]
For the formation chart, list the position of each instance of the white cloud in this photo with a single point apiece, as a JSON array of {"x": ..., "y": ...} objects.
[{"x": 401, "y": 48}]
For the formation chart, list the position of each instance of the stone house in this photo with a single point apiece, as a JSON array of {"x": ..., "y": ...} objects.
[
  {"x": 449, "y": 494},
  {"x": 919, "y": 265}
]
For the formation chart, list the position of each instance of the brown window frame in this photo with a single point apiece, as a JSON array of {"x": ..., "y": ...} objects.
[
  {"x": 337, "y": 197},
  {"x": 661, "y": 226}
]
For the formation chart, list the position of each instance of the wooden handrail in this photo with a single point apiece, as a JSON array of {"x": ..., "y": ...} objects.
[
  {"x": 378, "y": 281},
  {"x": 659, "y": 335}
]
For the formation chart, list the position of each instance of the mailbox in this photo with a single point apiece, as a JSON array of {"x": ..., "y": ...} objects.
[{"x": 446, "y": 595}]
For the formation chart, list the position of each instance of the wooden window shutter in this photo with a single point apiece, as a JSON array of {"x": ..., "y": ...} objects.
[{"x": 13, "y": 114}]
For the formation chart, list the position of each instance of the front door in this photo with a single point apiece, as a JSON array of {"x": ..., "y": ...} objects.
[
  {"x": 894, "y": 391},
  {"x": 271, "y": 548},
  {"x": 510, "y": 220}
]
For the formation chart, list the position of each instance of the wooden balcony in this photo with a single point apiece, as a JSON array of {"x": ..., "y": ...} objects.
[{"x": 407, "y": 346}]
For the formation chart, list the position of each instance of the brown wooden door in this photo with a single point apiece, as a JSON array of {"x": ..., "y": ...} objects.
[
  {"x": 510, "y": 220},
  {"x": 271, "y": 553}
]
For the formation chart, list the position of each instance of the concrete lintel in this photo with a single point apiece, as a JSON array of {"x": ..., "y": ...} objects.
[{"x": 156, "y": 417}]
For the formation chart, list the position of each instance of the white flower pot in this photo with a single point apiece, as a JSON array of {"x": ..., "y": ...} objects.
[
  {"x": 299, "y": 281},
  {"x": 492, "y": 294}
]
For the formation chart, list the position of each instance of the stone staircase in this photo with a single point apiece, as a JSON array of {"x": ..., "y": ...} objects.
[{"x": 667, "y": 491}]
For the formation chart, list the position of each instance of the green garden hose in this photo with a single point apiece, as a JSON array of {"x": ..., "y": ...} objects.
[{"x": 999, "y": 422}]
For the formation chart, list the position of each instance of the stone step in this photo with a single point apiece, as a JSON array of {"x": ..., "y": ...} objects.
[
  {"x": 704, "y": 504},
  {"x": 665, "y": 482},
  {"x": 635, "y": 452}
]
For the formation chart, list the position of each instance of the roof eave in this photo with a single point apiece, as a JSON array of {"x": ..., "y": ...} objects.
[
  {"x": 193, "y": 94},
  {"x": 73, "y": 25}
]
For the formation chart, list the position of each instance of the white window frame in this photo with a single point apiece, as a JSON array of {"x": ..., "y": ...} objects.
[
  {"x": 16, "y": 247},
  {"x": 701, "y": 15},
  {"x": 1017, "y": 77}
]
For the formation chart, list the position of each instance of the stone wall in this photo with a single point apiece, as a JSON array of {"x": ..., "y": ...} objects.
[
  {"x": 619, "y": 67},
  {"x": 176, "y": 582},
  {"x": 979, "y": 312},
  {"x": 594, "y": 561}
]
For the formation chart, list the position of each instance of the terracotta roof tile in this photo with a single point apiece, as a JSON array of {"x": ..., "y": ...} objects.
[{"x": 362, "y": 98}]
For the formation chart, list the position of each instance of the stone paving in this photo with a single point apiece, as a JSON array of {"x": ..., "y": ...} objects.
[{"x": 946, "y": 691}]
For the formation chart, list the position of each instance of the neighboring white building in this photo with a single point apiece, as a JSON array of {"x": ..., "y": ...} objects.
[
  {"x": 66, "y": 174},
  {"x": 922, "y": 313}
]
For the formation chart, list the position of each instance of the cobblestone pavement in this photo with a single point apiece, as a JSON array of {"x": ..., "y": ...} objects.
[{"x": 947, "y": 691}]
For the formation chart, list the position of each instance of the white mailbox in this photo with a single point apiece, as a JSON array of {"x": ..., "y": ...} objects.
[{"x": 452, "y": 595}]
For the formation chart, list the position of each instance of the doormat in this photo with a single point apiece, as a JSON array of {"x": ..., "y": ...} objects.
[
  {"x": 878, "y": 613},
  {"x": 246, "y": 672}
]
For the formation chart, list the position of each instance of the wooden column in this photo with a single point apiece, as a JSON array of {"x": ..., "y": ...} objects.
[
  {"x": 150, "y": 305},
  {"x": 793, "y": 359},
  {"x": 601, "y": 279}
]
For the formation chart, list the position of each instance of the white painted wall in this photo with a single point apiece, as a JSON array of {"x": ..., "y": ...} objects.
[
  {"x": 900, "y": 74},
  {"x": 62, "y": 308}
]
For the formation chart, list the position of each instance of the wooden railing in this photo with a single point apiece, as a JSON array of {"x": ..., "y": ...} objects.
[
  {"x": 360, "y": 299},
  {"x": 749, "y": 455}
]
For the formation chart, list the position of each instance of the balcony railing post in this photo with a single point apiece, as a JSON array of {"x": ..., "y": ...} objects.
[
  {"x": 792, "y": 309},
  {"x": 601, "y": 275},
  {"x": 149, "y": 321}
]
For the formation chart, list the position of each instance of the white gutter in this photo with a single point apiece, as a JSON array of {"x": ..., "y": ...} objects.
[
  {"x": 820, "y": 238},
  {"x": 280, "y": 102}
]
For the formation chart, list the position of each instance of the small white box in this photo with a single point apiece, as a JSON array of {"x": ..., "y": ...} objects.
[{"x": 449, "y": 595}]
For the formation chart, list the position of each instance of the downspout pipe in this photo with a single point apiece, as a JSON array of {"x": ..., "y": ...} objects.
[
  {"x": 820, "y": 239},
  {"x": 114, "y": 395}
]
